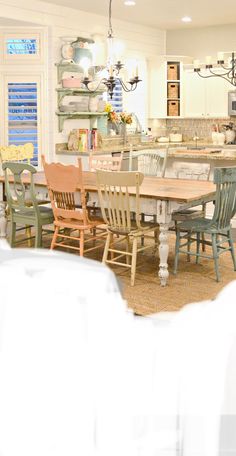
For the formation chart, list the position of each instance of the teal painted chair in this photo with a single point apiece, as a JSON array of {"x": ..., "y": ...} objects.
[
  {"x": 23, "y": 207},
  {"x": 218, "y": 229}
]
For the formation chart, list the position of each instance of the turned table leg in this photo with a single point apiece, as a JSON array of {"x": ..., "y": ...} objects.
[{"x": 163, "y": 252}]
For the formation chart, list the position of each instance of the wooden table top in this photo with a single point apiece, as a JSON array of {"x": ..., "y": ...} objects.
[{"x": 181, "y": 190}]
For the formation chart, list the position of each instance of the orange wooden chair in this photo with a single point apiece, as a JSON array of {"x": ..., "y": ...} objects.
[{"x": 64, "y": 181}]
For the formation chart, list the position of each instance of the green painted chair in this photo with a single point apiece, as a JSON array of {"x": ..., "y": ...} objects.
[
  {"x": 218, "y": 228},
  {"x": 18, "y": 197}
]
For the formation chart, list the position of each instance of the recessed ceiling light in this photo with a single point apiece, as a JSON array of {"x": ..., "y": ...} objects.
[
  {"x": 129, "y": 2},
  {"x": 186, "y": 19}
]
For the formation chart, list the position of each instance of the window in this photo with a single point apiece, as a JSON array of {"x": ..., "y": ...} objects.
[
  {"x": 23, "y": 86},
  {"x": 23, "y": 114},
  {"x": 21, "y": 46}
]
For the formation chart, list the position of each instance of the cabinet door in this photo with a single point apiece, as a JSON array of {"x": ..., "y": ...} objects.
[
  {"x": 194, "y": 95},
  {"x": 216, "y": 97}
]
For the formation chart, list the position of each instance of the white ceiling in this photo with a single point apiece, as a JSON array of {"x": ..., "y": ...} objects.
[{"x": 164, "y": 14}]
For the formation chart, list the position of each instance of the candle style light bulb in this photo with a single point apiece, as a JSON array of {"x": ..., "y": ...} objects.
[
  {"x": 196, "y": 64},
  {"x": 220, "y": 56},
  {"x": 208, "y": 60}
]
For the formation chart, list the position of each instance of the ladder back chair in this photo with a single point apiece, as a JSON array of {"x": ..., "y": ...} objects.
[
  {"x": 118, "y": 195},
  {"x": 194, "y": 171},
  {"x": 218, "y": 228},
  {"x": 106, "y": 162},
  {"x": 18, "y": 194},
  {"x": 65, "y": 184}
]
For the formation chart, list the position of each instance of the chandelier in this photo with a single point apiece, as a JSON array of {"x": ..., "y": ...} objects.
[
  {"x": 113, "y": 69},
  {"x": 228, "y": 71}
]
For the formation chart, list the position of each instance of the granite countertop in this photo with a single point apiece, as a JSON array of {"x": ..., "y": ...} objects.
[{"x": 178, "y": 150}]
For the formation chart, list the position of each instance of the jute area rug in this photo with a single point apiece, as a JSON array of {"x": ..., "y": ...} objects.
[{"x": 193, "y": 282}]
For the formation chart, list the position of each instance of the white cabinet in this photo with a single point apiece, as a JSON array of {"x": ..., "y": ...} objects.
[
  {"x": 157, "y": 88},
  {"x": 205, "y": 97},
  {"x": 194, "y": 95}
]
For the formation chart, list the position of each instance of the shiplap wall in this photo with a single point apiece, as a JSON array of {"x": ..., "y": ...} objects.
[{"x": 141, "y": 42}]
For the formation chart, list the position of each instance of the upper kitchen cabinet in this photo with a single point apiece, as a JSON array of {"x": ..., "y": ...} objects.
[
  {"x": 204, "y": 97},
  {"x": 166, "y": 86},
  {"x": 157, "y": 88}
]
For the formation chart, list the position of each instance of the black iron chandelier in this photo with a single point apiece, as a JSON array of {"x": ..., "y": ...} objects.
[
  {"x": 113, "y": 69},
  {"x": 228, "y": 72}
]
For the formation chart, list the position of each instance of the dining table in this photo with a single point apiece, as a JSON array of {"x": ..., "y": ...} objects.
[{"x": 159, "y": 197}]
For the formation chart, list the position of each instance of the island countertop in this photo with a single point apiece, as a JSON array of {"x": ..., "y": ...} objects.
[{"x": 179, "y": 150}]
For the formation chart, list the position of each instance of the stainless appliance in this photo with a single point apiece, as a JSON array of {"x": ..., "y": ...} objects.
[{"x": 232, "y": 103}]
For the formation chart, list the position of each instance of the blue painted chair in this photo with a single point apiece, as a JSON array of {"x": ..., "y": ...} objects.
[{"x": 218, "y": 228}]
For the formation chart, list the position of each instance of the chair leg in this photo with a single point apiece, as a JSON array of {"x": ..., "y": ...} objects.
[
  {"x": 112, "y": 245},
  {"x": 215, "y": 256},
  {"x": 197, "y": 247},
  {"x": 134, "y": 260},
  {"x": 106, "y": 249},
  {"x": 142, "y": 237},
  {"x": 177, "y": 243},
  {"x": 28, "y": 234},
  {"x": 128, "y": 258},
  {"x": 189, "y": 246},
  {"x": 231, "y": 245},
  {"x": 203, "y": 243},
  {"x": 38, "y": 236},
  {"x": 81, "y": 243},
  {"x": 94, "y": 235},
  {"x": 13, "y": 234},
  {"x": 54, "y": 238}
]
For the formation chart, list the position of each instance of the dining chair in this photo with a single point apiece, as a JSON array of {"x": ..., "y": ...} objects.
[
  {"x": 65, "y": 185},
  {"x": 150, "y": 162},
  {"x": 22, "y": 153},
  {"x": 18, "y": 195},
  {"x": 194, "y": 171},
  {"x": 218, "y": 228},
  {"x": 118, "y": 193},
  {"x": 106, "y": 162}
]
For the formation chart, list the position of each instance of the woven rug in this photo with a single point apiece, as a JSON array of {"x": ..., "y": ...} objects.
[{"x": 194, "y": 282}]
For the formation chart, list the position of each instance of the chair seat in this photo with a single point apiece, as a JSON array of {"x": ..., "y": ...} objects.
[
  {"x": 135, "y": 231},
  {"x": 29, "y": 202},
  {"x": 45, "y": 213},
  {"x": 201, "y": 225},
  {"x": 77, "y": 224},
  {"x": 187, "y": 214}
]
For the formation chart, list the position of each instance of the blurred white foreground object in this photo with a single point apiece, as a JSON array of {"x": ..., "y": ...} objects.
[{"x": 80, "y": 375}]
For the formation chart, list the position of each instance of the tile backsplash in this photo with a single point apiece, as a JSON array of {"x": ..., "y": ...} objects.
[{"x": 188, "y": 127}]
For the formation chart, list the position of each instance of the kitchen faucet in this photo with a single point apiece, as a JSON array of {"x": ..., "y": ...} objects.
[
  {"x": 138, "y": 124},
  {"x": 195, "y": 138}
]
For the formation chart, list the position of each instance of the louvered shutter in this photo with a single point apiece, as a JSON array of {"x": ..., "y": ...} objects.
[{"x": 23, "y": 115}]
